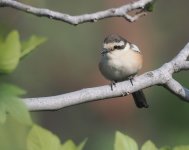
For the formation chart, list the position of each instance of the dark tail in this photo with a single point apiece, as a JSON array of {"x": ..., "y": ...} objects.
[{"x": 140, "y": 99}]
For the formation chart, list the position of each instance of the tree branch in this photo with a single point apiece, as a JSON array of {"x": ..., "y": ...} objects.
[
  {"x": 177, "y": 89},
  {"x": 161, "y": 76},
  {"x": 75, "y": 20}
]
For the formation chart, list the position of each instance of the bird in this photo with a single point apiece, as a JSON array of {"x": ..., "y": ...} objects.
[{"x": 121, "y": 60}]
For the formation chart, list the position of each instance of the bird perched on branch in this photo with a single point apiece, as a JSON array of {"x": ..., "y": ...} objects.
[{"x": 120, "y": 61}]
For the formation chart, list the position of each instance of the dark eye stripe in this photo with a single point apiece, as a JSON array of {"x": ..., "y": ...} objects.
[{"x": 119, "y": 47}]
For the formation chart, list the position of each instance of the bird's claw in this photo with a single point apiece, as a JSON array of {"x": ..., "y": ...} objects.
[
  {"x": 113, "y": 84},
  {"x": 131, "y": 78}
]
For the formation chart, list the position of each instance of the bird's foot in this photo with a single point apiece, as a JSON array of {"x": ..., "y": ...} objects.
[
  {"x": 131, "y": 78},
  {"x": 112, "y": 85}
]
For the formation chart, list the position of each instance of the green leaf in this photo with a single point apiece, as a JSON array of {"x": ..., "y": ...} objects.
[
  {"x": 149, "y": 146},
  {"x": 12, "y": 105},
  {"x": 124, "y": 142},
  {"x": 31, "y": 44},
  {"x": 182, "y": 147},
  {"x": 68, "y": 145},
  {"x": 9, "y": 52},
  {"x": 81, "y": 145},
  {"x": 150, "y": 6},
  {"x": 42, "y": 139},
  {"x": 13, "y": 134}
]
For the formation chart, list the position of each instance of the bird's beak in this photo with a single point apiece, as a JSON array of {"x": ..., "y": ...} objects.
[{"x": 104, "y": 51}]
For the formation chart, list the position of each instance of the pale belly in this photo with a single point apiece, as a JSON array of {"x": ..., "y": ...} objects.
[{"x": 119, "y": 68}]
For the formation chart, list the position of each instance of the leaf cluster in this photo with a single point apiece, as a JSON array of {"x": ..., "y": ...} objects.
[
  {"x": 12, "y": 50},
  {"x": 124, "y": 142},
  {"x": 42, "y": 139}
]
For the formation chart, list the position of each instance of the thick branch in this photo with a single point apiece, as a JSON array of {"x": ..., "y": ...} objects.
[
  {"x": 75, "y": 20},
  {"x": 161, "y": 76},
  {"x": 177, "y": 89}
]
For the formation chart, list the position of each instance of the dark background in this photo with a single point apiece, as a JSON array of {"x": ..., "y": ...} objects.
[{"x": 68, "y": 61}]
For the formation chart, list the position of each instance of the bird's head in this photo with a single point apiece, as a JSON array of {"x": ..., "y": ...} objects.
[{"x": 116, "y": 42}]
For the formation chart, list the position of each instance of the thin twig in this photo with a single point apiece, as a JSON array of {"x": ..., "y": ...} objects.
[
  {"x": 75, "y": 20},
  {"x": 135, "y": 17}
]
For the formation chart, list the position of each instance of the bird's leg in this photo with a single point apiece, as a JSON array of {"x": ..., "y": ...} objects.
[
  {"x": 113, "y": 84},
  {"x": 131, "y": 78}
]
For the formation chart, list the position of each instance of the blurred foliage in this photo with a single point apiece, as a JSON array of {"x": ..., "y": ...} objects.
[
  {"x": 149, "y": 146},
  {"x": 42, "y": 139},
  {"x": 70, "y": 145},
  {"x": 11, "y": 50},
  {"x": 15, "y": 119},
  {"x": 13, "y": 134},
  {"x": 150, "y": 6},
  {"x": 31, "y": 44},
  {"x": 124, "y": 142},
  {"x": 11, "y": 104},
  {"x": 18, "y": 136}
]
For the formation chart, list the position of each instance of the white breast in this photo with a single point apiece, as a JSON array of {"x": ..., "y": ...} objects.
[{"x": 118, "y": 65}]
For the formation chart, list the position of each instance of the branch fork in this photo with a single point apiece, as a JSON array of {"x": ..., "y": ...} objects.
[
  {"x": 161, "y": 76},
  {"x": 121, "y": 11}
]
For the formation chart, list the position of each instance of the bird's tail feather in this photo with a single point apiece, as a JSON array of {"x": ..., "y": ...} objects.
[{"x": 140, "y": 99}]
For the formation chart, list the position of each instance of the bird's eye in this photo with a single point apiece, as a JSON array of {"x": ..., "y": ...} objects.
[{"x": 117, "y": 47}]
